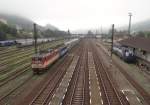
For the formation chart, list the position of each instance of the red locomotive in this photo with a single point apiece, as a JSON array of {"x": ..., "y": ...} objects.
[{"x": 41, "y": 61}]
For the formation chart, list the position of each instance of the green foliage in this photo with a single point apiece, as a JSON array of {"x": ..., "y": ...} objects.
[
  {"x": 50, "y": 33},
  {"x": 2, "y": 35},
  {"x": 5, "y": 29},
  {"x": 90, "y": 32},
  {"x": 147, "y": 34},
  {"x": 141, "y": 34}
]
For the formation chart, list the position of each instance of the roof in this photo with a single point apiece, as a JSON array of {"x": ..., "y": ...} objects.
[{"x": 137, "y": 42}]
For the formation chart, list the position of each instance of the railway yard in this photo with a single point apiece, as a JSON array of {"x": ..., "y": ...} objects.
[{"x": 85, "y": 75}]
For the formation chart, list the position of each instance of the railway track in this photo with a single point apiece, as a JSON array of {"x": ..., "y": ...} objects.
[
  {"x": 10, "y": 66},
  {"x": 8, "y": 50},
  {"x": 47, "y": 91},
  {"x": 109, "y": 92},
  {"x": 77, "y": 93},
  {"x": 143, "y": 93},
  {"x": 14, "y": 59},
  {"x": 15, "y": 51},
  {"x": 20, "y": 55},
  {"x": 78, "y": 90},
  {"x": 12, "y": 56},
  {"x": 87, "y": 85},
  {"x": 5, "y": 66},
  {"x": 30, "y": 97},
  {"x": 5, "y": 50},
  {"x": 5, "y": 97},
  {"x": 13, "y": 69},
  {"x": 15, "y": 75},
  {"x": 10, "y": 94},
  {"x": 140, "y": 89}
]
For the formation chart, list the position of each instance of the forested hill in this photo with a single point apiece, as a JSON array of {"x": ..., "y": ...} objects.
[
  {"x": 17, "y": 21},
  {"x": 22, "y": 22},
  {"x": 13, "y": 26}
]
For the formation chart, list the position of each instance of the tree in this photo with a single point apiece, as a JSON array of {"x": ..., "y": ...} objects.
[
  {"x": 2, "y": 35},
  {"x": 141, "y": 34},
  {"x": 148, "y": 34},
  {"x": 90, "y": 32},
  {"x": 5, "y": 29}
]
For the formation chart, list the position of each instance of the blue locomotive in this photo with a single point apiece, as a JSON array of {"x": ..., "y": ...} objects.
[{"x": 124, "y": 53}]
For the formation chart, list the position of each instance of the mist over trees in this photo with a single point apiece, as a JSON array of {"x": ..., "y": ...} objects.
[
  {"x": 6, "y": 31},
  {"x": 15, "y": 27},
  {"x": 56, "y": 33}
]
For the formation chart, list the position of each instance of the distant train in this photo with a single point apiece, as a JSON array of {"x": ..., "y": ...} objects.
[
  {"x": 124, "y": 53},
  {"x": 71, "y": 43},
  {"x": 7, "y": 43},
  {"x": 23, "y": 42},
  {"x": 29, "y": 42},
  {"x": 42, "y": 60}
]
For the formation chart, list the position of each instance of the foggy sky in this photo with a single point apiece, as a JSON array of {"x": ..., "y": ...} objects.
[{"x": 76, "y": 14}]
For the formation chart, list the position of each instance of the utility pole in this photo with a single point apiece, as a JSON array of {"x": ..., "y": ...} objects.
[
  {"x": 102, "y": 32},
  {"x": 96, "y": 33},
  {"x": 69, "y": 35},
  {"x": 68, "y": 32},
  {"x": 35, "y": 38},
  {"x": 129, "y": 29},
  {"x": 112, "y": 39}
]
